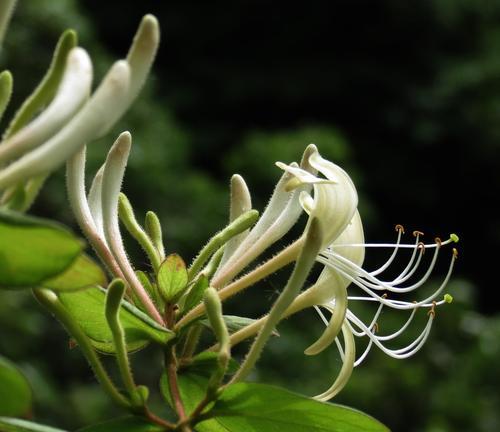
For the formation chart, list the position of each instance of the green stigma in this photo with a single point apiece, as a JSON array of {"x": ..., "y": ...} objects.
[
  {"x": 448, "y": 298},
  {"x": 454, "y": 238}
]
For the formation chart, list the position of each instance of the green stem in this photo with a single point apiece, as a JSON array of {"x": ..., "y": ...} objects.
[
  {"x": 297, "y": 279},
  {"x": 245, "y": 221},
  {"x": 51, "y": 302}
]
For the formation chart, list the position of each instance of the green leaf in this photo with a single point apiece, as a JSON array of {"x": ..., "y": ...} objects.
[
  {"x": 83, "y": 273},
  {"x": 193, "y": 379},
  {"x": 87, "y": 308},
  {"x": 124, "y": 424},
  {"x": 17, "y": 425},
  {"x": 15, "y": 391},
  {"x": 195, "y": 294},
  {"x": 172, "y": 278},
  {"x": 33, "y": 250},
  {"x": 254, "y": 407}
]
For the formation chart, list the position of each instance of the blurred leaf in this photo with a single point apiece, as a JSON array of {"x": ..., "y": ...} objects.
[
  {"x": 193, "y": 379},
  {"x": 47, "y": 88},
  {"x": 259, "y": 408},
  {"x": 87, "y": 308},
  {"x": 125, "y": 424},
  {"x": 16, "y": 425},
  {"x": 83, "y": 273},
  {"x": 33, "y": 250},
  {"x": 15, "y": 391},
  {"x": 172, "y": 278}
]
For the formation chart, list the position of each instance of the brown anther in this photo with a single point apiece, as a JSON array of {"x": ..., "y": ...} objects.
[
  {"x": 455, "y": 253},
  {"x": 421, "y": 247},
  {"x": 399, "y": 228},
  {"x": 432, "y": 311},
  {"x": 72, "y": 343},
  {"x": 417, "y": 233},
  {"x": 384, "y": 296},
  {"x": 375, "y": 328},
  {"x": 438, "y": 241}
]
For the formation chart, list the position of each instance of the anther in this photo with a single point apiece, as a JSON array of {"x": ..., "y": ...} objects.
[
  {"x": 375, "y": 328},
  {"x": 438, "y": 241},
  {"x": 384, "y": 296},
  {"x": 421, "y": 247},
  {"x": 432, "y": 311},
  {"x": 399, "y": 228},
  {"x": 448, "y": 298},
  {"x": 417, "y": 233},
  {"x": 455, "y": 253}
]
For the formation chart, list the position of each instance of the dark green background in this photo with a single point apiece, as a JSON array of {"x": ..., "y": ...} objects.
[{"x": 404, "y": 95}]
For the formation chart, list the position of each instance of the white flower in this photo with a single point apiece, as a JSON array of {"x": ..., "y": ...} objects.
[{"x": 334, "y": 204}]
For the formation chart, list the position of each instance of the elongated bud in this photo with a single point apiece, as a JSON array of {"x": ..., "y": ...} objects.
[
  {"x": 153, "y": 230},
  {"x": 6, "y": 9},
  {"x": 239, "y": 225},
  {"x": 142, "y": 53},
  {"x": 5, "y": 90},
  {"x": 114, "y": 297},
  {"x": 114, "y": 171},
  {"x": 46, "y": 89},
  {"x": 213, "y": 308},
  {"x": 98, "y": 111},
  {"x": 72, "y": 93},
  {"x": 126, "y": 213}
]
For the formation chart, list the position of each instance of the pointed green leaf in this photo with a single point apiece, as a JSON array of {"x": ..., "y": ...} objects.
[
  {"x": 172, "y": 278},
  {"x": 195, "y": 294},
  {"x": 33, "y": 250},
  {"x": 124, "y": 424},
  {"x": 83, "y": 273},
  {"x": 17, "y": 425},
  {"x": 87, "y": 308},
  {"x": 254, "y": 407},
  {"x": 15, "y": 391}
]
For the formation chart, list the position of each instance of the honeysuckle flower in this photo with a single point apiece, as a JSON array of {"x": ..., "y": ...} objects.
[{"x": 333, "y": 205}]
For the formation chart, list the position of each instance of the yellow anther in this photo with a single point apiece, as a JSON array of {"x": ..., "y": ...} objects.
[
  {"x": 417, "y": 233},
  {"x": 455, "y": 253},
  {"x": 375, "y": 328},
  {"x": 384, "y": 296},
  {"x": 399, "y": 228}
]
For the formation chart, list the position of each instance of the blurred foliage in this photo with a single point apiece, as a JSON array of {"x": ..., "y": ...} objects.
[{"x": 405, "y": 96}]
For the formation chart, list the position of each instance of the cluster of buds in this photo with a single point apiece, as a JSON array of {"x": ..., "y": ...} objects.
[{"x": 63, "y": 114}]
